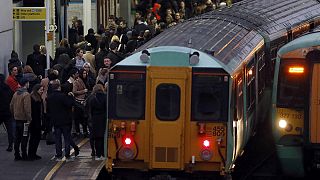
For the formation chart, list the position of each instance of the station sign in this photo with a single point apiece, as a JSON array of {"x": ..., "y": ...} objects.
[{"x": 29, "y": 13}]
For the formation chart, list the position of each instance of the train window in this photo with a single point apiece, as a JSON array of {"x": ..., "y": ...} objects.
[
  {"x": 239, "y": 98},
  {"x": 251, "y": 86},
  {"x": 291, "y": 87},
  {"x": 261, "y": 75},
  {"x": 168, "y": 102},
  {"x": 209, "y": 98},
  {"x": 129, "y": 100}
]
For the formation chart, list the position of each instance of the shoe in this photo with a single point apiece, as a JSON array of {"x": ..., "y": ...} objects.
[
  {"x": 58, "y": 158},
  {"x": 69, "y": 159},
  {"x": 98, "y": 159},
  {"x": 76, "y": 151},
  {"x": 93, "y": 154},
  {"x": 18, "y": 158},
  {"x": 9, "y": 149}
]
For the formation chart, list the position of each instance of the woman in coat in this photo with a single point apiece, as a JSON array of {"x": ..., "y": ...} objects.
[
  {"x": 97, "y": 109},
  {"x": 80, "y": 90},
  {"x": 35, "y": 125}
]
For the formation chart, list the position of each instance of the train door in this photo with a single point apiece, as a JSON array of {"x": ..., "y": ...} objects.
[
  {"x": 238, "y": 122},
  {"x": 315, "y": 105},
  {"x": 168, "y": 99}
]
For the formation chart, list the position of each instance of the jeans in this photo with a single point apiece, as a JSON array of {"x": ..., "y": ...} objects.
[
  {"x": 20, "y": 139},
  {"x": 66, "y": 132}
]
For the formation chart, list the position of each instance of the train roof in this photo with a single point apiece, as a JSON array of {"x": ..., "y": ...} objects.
[
  {"x": 308, "y": 40},
  {"x": 270, "y": 17},
  {"x": 230, "y": 34},
  {"x": 171, "y": 56}
]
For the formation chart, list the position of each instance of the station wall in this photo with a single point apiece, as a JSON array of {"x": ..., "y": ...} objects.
[{"x": 6, "y": 36}]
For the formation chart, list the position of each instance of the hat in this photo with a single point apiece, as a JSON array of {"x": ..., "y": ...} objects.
[{"x": 23, "y": 81}]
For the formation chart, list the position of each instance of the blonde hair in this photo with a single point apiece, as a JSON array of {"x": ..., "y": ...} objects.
[
  {"x": 115, "y": 38},
  {"x": 43, "y": 49}
]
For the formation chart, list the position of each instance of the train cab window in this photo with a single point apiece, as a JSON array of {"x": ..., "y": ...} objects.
[
  {"x": 168, "y": 102},
  {"x": 210, "y": 98},
  {"x": 292, "y": 85},
  {"x": 130, "y": 97},
  {"x": 251, "y": 85},
  {"x": 126, "y": 95}
]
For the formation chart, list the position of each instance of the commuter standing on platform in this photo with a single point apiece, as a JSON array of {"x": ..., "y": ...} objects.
[
  {"x": 5, "y": 114},
  {"x": 35, "y": 125},
  {"x": 97, "y": 109},
  {"x": 12, "y": 81},
  {"x": 59, "y": 107},
  {"x": 20, "y": 106}
]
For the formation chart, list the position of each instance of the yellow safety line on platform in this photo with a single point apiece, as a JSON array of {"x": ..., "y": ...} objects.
[{"x": 59, "y": 164}]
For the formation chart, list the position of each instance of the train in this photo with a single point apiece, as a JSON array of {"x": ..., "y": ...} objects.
[
  {"x": 190, "y": 99},
  {"x": 295, "y": 105}
]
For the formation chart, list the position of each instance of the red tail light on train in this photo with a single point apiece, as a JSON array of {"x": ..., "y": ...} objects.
[
  {"x": 206, "y": 143},
  {"x": 128, "y": 141}
]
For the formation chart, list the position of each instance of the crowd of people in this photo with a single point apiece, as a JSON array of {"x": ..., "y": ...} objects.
[{"x": 72, "y": 94}]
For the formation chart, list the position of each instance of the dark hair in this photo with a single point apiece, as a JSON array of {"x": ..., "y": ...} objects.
[
  {"x": 102, "y": 45},
  {"x": 14, "y": 54},
  {"x": 36, "y": 48},
  {"x": 81, "y": 74},
  {"x": 78, "y": 50},
  {"x": 113, "y": 45},
  {"x": 73, "y": 71},
  {"x": 90, "y": 31},
  {"x": 55, "y": 84},
  {"x": 36, "y": 87}
]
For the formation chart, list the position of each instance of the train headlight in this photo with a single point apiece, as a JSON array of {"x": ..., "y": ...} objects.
[{"x": 283, "y": 123}]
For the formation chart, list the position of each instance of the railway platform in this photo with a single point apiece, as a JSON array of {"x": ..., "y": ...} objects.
[{"x": 82, "y": 167}]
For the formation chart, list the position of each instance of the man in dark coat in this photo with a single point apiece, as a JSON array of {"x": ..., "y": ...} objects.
[
  {"x": 37, "y": 63},
  {"x": 5, "y": 115},
  {"x": 114, "y": 55},
  {"x": 90, "y": 38},
  {"x": 59, "y": 106},
  {"x": 99, "y": 57}
]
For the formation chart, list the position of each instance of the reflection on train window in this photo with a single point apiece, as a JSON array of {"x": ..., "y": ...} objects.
[
  {"x": 130, "y": 98},
  {"x": 209, "y": 100},
  {"x": 168, "y": 102},
  {"x": 251, "y": 85},
  {"x": 239, "y": 98},
  {"x": 291, "y": 88},
  {"x": 261, "y": 75}
]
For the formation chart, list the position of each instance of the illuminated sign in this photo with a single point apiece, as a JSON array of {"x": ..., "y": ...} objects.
[{"x": 29, "y": 13}]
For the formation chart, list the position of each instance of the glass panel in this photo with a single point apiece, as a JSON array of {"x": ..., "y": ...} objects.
[
  {"x": 168, "y": 102},
  {"x": 209, "y": 98},
  {"x": 291, "y": 87},
  {"x": 130, "y": 98}
]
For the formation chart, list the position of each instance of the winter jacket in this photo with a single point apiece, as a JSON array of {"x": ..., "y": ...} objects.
[
  {"x": 20, "y": 105},
  {"x": 97, "y": 109},
  {"x": 59, "y": 107}
]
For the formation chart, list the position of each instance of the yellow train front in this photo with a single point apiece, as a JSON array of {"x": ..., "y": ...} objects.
[{"x": 168, "y": 111}]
